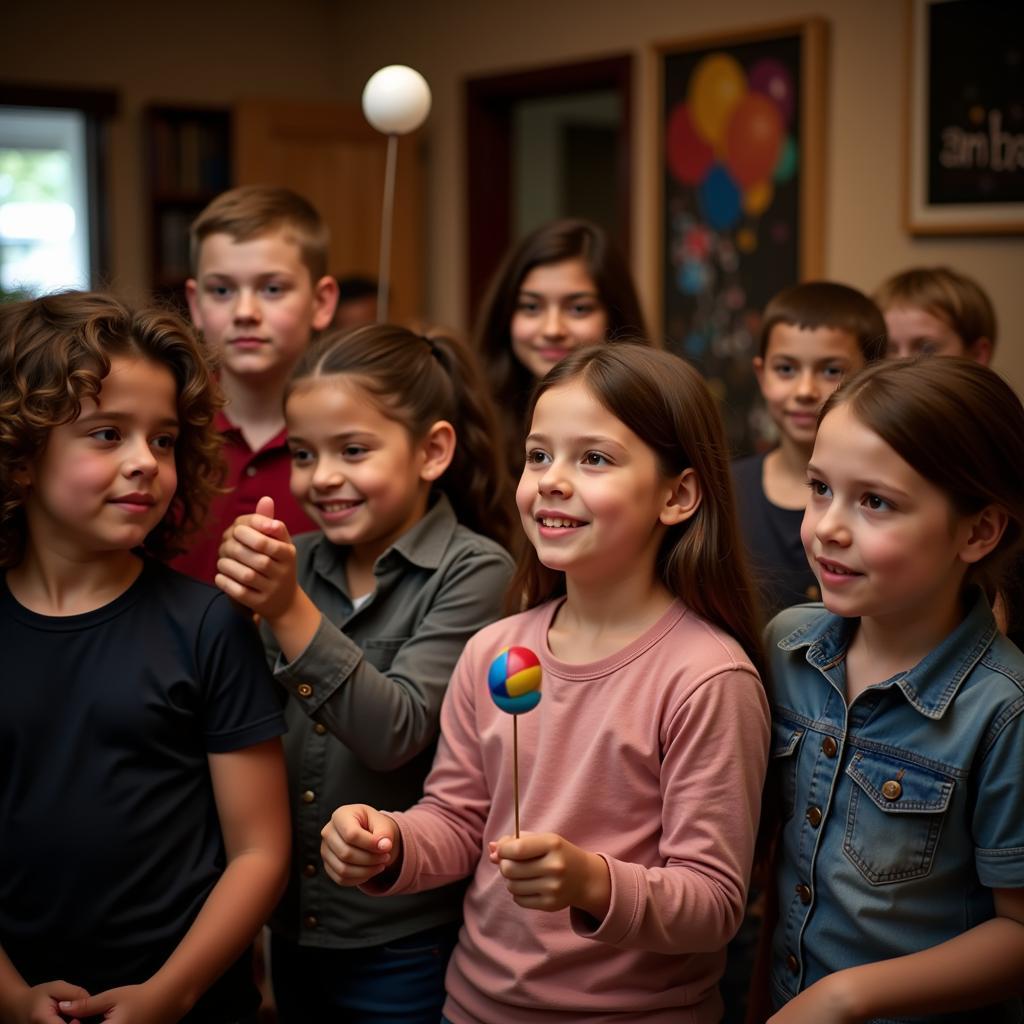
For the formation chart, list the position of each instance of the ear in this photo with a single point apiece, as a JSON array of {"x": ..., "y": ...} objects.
[
  {"x": 22, "y": 475},
  {"x": 984, "y": 534},
  {"x": 192, "y": 298},
  {"x": 758, "y": 362},
  {"x": 980, "y": 351},
  {"x": 325, "y": 302},
  {"x": 437, "y": 449},
  {"x": 683, "y": 500}
]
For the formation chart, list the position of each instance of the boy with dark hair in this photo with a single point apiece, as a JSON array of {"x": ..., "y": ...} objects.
[
  {"x": 260, "y": 290},
  {"x": 812, "y": 336}
]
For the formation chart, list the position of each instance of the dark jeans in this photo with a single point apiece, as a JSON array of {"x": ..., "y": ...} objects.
[{"x": 401, "y": 982}]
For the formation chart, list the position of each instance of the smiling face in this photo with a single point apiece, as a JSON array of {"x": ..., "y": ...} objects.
[
  {"x": 256, "y": 303},
  {"x": 884, "y": 542},
  {"x": 801, "y": 367},
  {"x": 104, "y": 481},
  {"x": 356, "y": 472},
  {"x": 558, "y": 310},
  {"x": 592, "y": 495}
]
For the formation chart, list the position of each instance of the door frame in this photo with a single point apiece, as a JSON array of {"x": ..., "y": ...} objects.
[{"x": 489, "y": 103}]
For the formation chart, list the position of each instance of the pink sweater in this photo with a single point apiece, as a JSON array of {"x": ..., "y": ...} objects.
[{"x": 653, "y": 757}]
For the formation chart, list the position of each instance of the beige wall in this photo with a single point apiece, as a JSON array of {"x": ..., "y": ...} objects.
[
  {"x": 186, "y": 51},
  {"x": 449, "y": 39},
  {"x": 221, "y": 50}
]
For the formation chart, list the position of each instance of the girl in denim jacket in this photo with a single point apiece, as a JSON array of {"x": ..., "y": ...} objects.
[{"x": 899, "y": 710}]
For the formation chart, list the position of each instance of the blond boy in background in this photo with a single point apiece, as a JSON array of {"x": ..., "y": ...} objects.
[{"x": 260, "y": 291}]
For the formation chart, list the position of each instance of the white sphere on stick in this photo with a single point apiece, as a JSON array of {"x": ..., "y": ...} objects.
[{"x": 396, "y": 100}]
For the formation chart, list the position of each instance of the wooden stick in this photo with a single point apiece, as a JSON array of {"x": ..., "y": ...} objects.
[
  {"x": 387, "y": 216},
  {"x": 515, "y": 767}
]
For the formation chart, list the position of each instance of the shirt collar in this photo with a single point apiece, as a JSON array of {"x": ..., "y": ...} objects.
[
  {"x": 933, "y": 682},
  {"x": 226, "y": 427},
  {"x": 424, "y": 545}
]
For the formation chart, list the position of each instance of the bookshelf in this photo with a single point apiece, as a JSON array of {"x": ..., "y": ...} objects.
[{"x": 188, "y": 152}]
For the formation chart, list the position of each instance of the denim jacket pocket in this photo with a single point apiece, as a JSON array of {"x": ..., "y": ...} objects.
[
  {"x": 785, "y": 744},
  {"x": 896, "y": 812}
]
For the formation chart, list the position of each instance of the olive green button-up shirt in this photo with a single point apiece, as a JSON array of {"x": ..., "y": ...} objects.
[{"x": 363, "y": 706}]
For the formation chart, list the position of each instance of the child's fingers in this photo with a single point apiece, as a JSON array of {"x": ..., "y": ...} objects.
[
  {"x": 258, "y": 540},
  {"x": 90, "y": 1006},
  {"x": 526, "y": 847},
  {"x": 265, "y": 507},
  {"x": 240, "y": 574}
]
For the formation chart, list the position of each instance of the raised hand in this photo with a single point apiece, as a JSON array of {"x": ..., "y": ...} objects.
[{"x": 257, "y": 563}]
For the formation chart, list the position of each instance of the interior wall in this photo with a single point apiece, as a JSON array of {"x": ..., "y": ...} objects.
[
  {"x": 189, "y": 52},
  {"x": 865, "y": 240},
  {"x": 219, "y": 50}
]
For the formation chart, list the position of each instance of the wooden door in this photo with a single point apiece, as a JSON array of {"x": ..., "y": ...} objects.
[{"x": 328, "y": 153}]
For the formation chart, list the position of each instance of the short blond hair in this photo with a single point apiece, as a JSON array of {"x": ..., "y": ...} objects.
[
  {"x": 252, "y": 211},
  {"x": 952, "y": 297}
]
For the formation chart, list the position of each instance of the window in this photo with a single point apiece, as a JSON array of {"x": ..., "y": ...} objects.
[
  {"x": 52, "y": 223},
  {"x": 44, "y": 202}
]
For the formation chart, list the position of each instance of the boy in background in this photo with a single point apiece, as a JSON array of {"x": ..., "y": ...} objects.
[
  {"x": 937, "y": 311},
  {"x": 812, "y": 336},
  {"x": 260, "y": 291}
]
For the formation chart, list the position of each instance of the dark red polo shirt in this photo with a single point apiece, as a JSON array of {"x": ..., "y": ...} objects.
[{"x": 250, "y": 476}]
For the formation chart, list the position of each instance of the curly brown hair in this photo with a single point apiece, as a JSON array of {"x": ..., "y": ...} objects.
[{"x": 55, "y": 352}]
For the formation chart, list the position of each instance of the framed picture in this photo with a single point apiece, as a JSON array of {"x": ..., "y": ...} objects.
[
  {"x": 741, "y": 177},
  {"x": 964, "y": 143}
]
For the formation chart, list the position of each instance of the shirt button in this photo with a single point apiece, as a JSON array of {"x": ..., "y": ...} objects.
[
  {"x": 829, "y": 746},
  {"x": 804, "y": 892},
  {"x": 320, "y": 729},
  {"x": 814, "y": 816},
  {"x": 308, "y": 796},
  {"x": 309, "y": 870},
  {"x": 304, "y": 690},
  {"x": 793, "y": 964},
  {"x": 310, "y": 921},
  {"x": 251, "y": 470},
  {"x": 892, "y": 790}
]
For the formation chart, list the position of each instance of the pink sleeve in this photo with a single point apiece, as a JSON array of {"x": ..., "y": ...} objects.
[
  {"x": 442, "y": 835},
  {"x": 715, "y": 757}
]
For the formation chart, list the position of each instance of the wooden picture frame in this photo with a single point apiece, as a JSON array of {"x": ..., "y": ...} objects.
[
  {"x": 741, "y": 186},
  {"x": 964, "y": 116}
]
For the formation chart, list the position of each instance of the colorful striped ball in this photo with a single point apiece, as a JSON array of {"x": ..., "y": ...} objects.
[{"x": 514, "y": 680}]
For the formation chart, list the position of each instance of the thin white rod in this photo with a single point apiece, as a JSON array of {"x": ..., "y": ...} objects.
[{"x": 386, "y": 219}]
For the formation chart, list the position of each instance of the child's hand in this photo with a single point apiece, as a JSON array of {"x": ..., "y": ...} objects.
[
  {"x": 257, "y": 563},
  {"x": 358, "y": 843},
  {"x": 130, "y": 1004},
  {"x": 41, "y": 1004},
  {"x": 825, "y": 1002},
  {"x": 546, "y": 872}
]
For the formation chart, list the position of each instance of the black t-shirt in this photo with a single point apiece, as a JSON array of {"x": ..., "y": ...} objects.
[
  {"x": 772, "y": 538},
  {"x": 109, "y": 836}
]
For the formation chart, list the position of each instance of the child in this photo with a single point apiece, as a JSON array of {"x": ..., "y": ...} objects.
[
  {"x": 641, "y": 769},
  {"x": 899, "y": 712},
  {"x": 936, "y": 311},
  {"x": 563, "y": 287},
  {"x": 390, "y": 440},
  {"x": 261, "y": 288},
  {"x": 143, "y": 808},
  {"x": 811, "y": 336}
]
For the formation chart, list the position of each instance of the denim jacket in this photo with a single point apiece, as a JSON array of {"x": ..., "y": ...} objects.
[{"x": 900, "y": 812}]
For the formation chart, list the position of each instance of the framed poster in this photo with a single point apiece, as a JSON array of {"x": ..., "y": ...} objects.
[
  {"x": 741, "y": 178},
  {"x": 965, "y": 117}
]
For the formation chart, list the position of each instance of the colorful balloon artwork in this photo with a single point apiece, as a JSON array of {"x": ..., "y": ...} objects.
[
  {"x": 729, "y": 139},
  {"x": 514, "y": 680}
]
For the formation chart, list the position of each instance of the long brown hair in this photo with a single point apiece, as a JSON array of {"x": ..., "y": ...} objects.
[
  {"x": 666, "y": 403},
  {"x": 417, "y": 381},
  {"x": 54, "y": 353},
  {"x": 554, "y": 242},
  {"x": 959, "y": 425}
]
